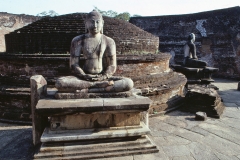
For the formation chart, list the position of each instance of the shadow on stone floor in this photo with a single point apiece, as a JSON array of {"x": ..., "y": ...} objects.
[
  {"x": 190, "y": 119},
  {"x": 16, "y": 144}
]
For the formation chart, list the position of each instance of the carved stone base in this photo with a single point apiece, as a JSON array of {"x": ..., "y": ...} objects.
[
  {"x": 95, "y": 128},
  {"x": 95, "y": 120}
]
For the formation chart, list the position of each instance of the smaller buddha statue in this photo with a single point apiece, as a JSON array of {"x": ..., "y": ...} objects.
[
  {"x": 99, "y": 53},
  {"x": 190, "y": 56}
]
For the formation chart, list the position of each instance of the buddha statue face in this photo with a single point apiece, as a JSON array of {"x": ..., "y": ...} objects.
[{"x": 94, "y": 22}]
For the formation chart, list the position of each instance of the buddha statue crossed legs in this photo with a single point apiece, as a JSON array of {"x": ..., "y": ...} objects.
[{"x": 99, "y": 52}]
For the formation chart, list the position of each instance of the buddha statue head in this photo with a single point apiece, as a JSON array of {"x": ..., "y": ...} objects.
[
  {"x": 94, "y": 23},
  {"x": 191, "y": 37}
]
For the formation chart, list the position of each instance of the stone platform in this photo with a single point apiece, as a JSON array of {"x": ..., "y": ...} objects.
[{"x": 90, "y": 122}]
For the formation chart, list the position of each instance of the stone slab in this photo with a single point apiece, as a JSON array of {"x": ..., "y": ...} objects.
[
  {"x": 200, "y": 151},
  {"x": 53, "y": 106},
  {"x": 153, "y": 156},
  {"x": 226, "y": 157},
  {"x": 223, "y": 131},
  {"x": 97, "y": 120},
  {"x": 221, "y": 145},
  {"x": 89, "y": 134},
  {"x": 118, "y": 158},
  {"x": 176, "y": 150},
  {"x": 183, "y": 158}
]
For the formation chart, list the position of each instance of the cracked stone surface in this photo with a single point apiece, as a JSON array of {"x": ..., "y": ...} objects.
[{"x": 177, "y": 135}]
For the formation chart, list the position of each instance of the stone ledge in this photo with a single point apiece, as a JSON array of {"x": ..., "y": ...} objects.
[
  {"x": 53, "y": 106},
  {"x": 88, "y": 134},
  {"x": 82, "y": 95}
]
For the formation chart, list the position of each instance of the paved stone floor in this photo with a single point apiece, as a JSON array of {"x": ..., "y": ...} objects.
[{"x": 177, "y": 135}]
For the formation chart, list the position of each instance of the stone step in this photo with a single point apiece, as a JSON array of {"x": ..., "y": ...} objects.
[
  {"x": 80, "y": 145},
  {"x": 89, "y": 134},
  {"x": 96, "y": 149}
]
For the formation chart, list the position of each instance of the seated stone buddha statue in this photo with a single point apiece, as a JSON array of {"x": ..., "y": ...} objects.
[
  {"x": 190, "y": 56},
  {"x": 99, "y": 53}
]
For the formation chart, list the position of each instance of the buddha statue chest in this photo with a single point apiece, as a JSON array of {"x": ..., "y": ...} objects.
[{"x": 92, "y": 48}]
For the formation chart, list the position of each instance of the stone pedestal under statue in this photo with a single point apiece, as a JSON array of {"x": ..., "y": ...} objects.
[
  {"x": 196, "y": 71},
  {"x": 200, "y": 75},
  {"x": 94, "y": 114},
  {"x": 200, "y": 96},
  {"x": 88, "y": 128}
]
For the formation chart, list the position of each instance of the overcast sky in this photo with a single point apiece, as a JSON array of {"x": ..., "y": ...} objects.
[{"x": 140, "y": 7}]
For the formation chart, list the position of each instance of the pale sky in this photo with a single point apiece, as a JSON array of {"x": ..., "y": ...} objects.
[{"x": 140, "y": 7}]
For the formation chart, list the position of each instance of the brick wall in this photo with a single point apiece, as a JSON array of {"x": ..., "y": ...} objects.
[
  {"x": 10, "y": 22},
  {"x": 54, "y": 35},
  {"x": 217, "y": 37}
]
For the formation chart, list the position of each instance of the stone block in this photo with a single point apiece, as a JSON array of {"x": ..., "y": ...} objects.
[
  {"x": 38, "y": 90},
  {"x": 201, "y": 116},
  {"x": 204, "y": 99}
]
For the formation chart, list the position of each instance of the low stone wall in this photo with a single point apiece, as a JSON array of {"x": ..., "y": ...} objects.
[{"x": 217, "y": 37}]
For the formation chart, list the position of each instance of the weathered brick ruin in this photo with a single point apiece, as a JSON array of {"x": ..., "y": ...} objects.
[
  {"x": 217, "y": 37},
  {"x": 54, "y": 34},
  {"x": 10, "y": 22},
  {"x": 150, "y": 73},
  {"x": 28, "y": 54}
]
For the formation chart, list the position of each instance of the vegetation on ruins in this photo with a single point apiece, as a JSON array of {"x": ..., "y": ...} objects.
[
  {"x": 50, "y": 13},
  {"x": 110, "y": 13}
]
